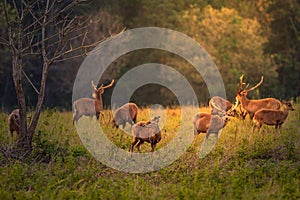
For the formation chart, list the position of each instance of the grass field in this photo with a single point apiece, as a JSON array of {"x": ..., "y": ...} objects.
[{"x": 242, "y": 164}]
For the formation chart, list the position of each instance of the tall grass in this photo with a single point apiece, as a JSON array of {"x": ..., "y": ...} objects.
[{"x": 242, "y": 164}]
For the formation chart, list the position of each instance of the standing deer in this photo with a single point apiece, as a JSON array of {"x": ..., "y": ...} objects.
[
  {"x": 272, "y": 117},
  {"x": 88, "y": 106},
  {"x": 146, "y": 132},
  {"x": 251, "y": 106},
  {"x": 126, "y": 113}
]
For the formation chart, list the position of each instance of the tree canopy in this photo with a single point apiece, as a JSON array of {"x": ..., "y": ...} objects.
[{"x": 254, "y": 38}]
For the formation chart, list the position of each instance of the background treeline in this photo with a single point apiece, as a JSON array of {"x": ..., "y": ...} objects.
[{"x": 259, "y": 37}]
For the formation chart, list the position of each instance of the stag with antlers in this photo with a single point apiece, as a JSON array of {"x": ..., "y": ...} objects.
[
  {"x": 251, "y": 106},
  {"x": 88, "y": 106}
]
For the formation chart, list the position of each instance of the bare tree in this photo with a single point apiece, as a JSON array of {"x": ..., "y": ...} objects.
[{"x": 48, "y": 30}]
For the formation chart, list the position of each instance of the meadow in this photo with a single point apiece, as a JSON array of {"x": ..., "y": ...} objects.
[{"x": 242, "y": 164}]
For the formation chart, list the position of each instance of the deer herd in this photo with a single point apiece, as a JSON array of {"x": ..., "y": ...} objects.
[{"x": 268, "y": 111}]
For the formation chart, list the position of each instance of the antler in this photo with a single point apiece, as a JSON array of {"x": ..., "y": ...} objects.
[
  {"x": 258, "y": 84},
  {"x": 93, "y": 85},
  {"x": 241, "y": 83},
  {"x": 111, "y": 84},
  {"x": 102, "y": 87},
  {"x": 235, "y": 105},
  {"x": 217, "y": 107}
]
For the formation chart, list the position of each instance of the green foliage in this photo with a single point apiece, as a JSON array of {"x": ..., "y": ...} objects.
[
  {"x": 242, "y": 164},
  {"x": 259, "y": 37},
  {"x": 284, "y": 44},
  {"x": 235, "y": 44}
]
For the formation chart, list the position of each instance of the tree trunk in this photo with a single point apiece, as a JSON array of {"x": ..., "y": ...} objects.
[{"x": 23, "y": 147}]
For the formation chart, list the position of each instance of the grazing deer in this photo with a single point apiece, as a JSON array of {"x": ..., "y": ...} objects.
[
  {"x": 220, "y": 106},
  {"x": 126, "y": 113},
  {"x": 207, "y": 123},
  {"x": 146, "y": 132},
  {"x": 251, "y": 106},
  {"x": 90, "y": 107},
  {"x": 272, "y": 117}
]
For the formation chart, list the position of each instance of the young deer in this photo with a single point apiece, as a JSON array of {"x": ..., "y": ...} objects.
[
  {"x": 146, "y": 132},
  {"x": 207, "y": 123},
  {"x": 272, "y": 117},
  {"x": 90, "y": 107},
  {"x": 251, "y": 106}
]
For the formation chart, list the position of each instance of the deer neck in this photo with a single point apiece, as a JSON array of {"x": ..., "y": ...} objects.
[
  {"x": 244, "y": 101},
  {"x": 99, "y": 102},
  {"x": 285, "y": 111}
]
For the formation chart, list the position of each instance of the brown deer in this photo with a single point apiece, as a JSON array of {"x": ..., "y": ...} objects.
[
  {"x": 14, "y": 122},
  {"x": 126, "y": 113},
  {"x": 88, "y": 106},
  {"x": 207, "y": 123},
  {"x": 251, "y": 106},
  {"x": 272, "y": 117},
  {"x": 146, "y": 132}
]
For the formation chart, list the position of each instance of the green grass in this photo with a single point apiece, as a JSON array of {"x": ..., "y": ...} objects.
[{"x": 242, "y": 165}]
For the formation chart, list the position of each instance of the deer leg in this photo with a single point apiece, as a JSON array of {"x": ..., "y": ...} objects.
[
  {"x": 253, "y": 128},
  {"x": 256, "y": 125},
  {"x": 195, "y": 132},
  {"x": 131, "y": 122},
  {"x": 76, "y": 118},
  {"x": 97, "y": 115},
  {"x": 244, "y": 114},
  {"x": 134, "y": 119},
  {"x": 278, "y": 127},
  {"x": 207, "y": 134},
  {"x": 135, "y": 140},
  {"x": 259, "y": 127},
  {"x": 153, "y": 144},
  {"x": 139, "y": 145},
  {"x": 217, "y": 134},
  {"x": 251, "y": 115}
]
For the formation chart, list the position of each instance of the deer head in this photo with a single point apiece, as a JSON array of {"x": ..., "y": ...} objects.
[
  {"x": 99, "y": 91},
  {"x": 244, "y": 91},
  {"x": 232, "y": 111},
  {"x": 288, "y": 105}
]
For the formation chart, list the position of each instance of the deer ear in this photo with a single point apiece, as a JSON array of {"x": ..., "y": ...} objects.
[{"x": 94, "y": 95}]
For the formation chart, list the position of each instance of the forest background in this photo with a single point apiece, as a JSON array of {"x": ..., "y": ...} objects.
[{"x": 255, "y": 38}]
